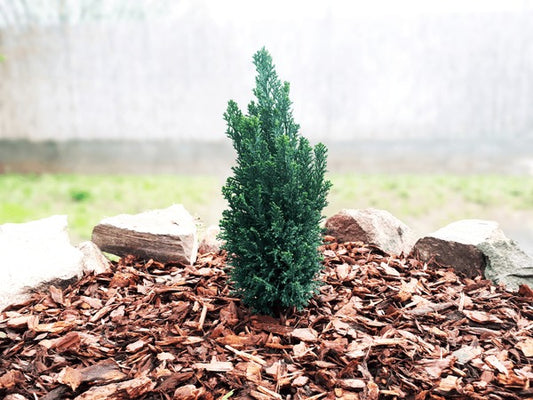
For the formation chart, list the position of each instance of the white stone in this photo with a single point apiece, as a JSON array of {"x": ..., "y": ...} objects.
[{"x": 34, "y": 253}]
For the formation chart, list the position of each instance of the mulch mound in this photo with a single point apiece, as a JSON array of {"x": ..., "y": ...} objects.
[{"x": 381, "y": 327}]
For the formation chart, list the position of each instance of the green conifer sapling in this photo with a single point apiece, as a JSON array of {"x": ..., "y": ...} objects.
[{"x": 275, "y": 199}]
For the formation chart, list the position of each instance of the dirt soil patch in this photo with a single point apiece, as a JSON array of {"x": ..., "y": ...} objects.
[{"x": 381, "y": 327}]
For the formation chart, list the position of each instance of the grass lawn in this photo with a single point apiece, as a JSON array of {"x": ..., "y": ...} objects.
[{"x": 425, "y": 202}]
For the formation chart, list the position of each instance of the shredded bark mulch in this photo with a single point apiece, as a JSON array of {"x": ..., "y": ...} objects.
[{"x": 381, "y": 327}]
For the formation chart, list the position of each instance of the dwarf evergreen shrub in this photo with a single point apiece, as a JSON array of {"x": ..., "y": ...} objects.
[{"x": 275, "y": 198}]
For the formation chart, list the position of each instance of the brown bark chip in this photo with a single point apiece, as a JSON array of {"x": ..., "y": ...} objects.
[{"x": 381, "y": 327}]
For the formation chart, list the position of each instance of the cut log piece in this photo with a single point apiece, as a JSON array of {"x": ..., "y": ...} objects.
[{"x": 166, "y": 235}]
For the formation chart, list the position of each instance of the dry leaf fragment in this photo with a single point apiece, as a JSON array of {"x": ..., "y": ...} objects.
[
  {"x": 117, "y": 313},
  {"x": 526, "y": 346},
  {"x": 300, "y": 350},
  {"x": 324, "y": 364},
  {"x": 352, "y": 383},
  {"x": 305, "y": 334},
  {"x": 342, "y": 271},
  {"x": 269, "y": 392},
  {"x": 436, "y": 331},
  {"x": 91, "y": 302},
  {"x": 188, "y": 392},
  {"x": 56, "y": 294},
  {"x": 329, "y": 254},
  {"x": 512, "y": 380},
  {"x": 429, "y": 308},
  {"x": 389, "y": 270},
  {"x": 55, "y": 327},
  {"x": 372, "y": 390},
  {"x": 135, "y": 346},
  {"x": 10, "y": 379},
  {"x": 246, "y": 356},
  {"x": 301, "y": 380},
  {"x": 19, "y": 322},
  {"x": 214, "y": 366},
  {"x": 494, "y": 363},
  {"x": 101, "y": 313},
  {"x": 131, "y": 389},
  {"x": 165, "y": 357},
  {"x": 102, "y": 371},
  {"x": 69, "y": 341},
  {"x": 193, "y": 340},
  {"x": 467, "y": 353},
  {"x": 484, "y": 380},
  {"x": 449, "y": 383},
  {"x": 123, "y": 279},
  {"x": 434, "y": 368},
  {"x": 481, "y": 317},
  {"x": 407, "y": 290},
  {"x": 253, "y": 372},
  {"x": 15, "y": 396},
  {"x": 228, "y": 314},
  {"x": 71, "y": 377}
]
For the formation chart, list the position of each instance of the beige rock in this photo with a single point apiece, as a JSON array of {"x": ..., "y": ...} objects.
[
  {"x": 376, "y": 227},
  {"x": 476, "y": 247}
]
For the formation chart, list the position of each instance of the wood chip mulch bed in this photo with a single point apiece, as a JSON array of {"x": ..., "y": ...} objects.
[{"x": 381, "y": 328}]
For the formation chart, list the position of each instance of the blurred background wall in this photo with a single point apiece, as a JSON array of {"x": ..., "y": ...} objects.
[{"x": 425, "y": 84}]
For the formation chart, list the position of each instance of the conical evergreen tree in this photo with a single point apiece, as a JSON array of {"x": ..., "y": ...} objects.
[{"x": 275, "y": 199}]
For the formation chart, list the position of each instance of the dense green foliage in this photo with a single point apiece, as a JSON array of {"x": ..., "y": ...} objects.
[{"x": 275, "y": 197}]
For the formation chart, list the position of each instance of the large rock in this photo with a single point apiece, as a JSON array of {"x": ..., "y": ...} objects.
[
  {"x": 376, "y": 227},
  {"x": 33, "y": 254},
  {"x": 167, "y": 235},
  {"x": 452, "y": 247},
  {"x": 476, "y": 247}
]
